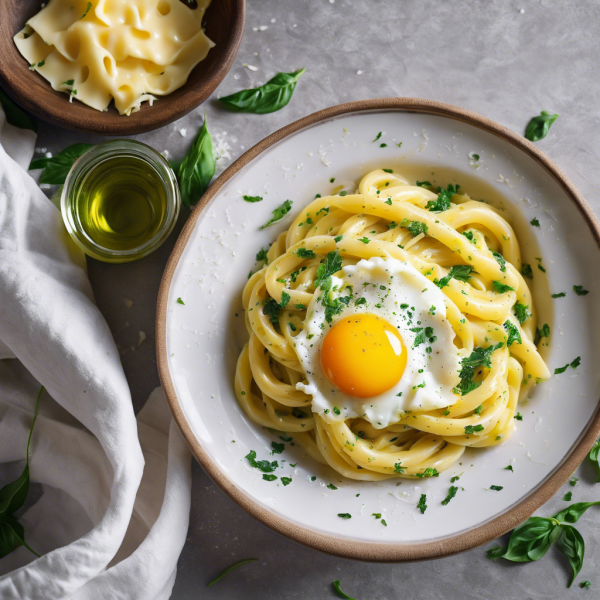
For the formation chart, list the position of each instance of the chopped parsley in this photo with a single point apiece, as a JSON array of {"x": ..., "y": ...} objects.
[
  {"x": 332, "y": 264},
  {"x": 279, "y": 213},
  {"x": 451, "y": 493},
  {"x": 428, "y": 472},
  {"x": 513, "y": 333},
  {"x": 526, "y": 271},
  {"x": 509, "y": 468},
  {"x": 469, "y": 429},
  {"x": 286, "y": 480},
  {"x": 344, "y": 515},
  {"x": 272, "y": 309},
  {"x": 496, "y": 488},
  {"x": 415, "y": 227},
  {"x": 277, "y": 447},
  {"x": 263, "y": 465},
  {"x": 422, "y": 505},
  {"x": 573, "y": 481},
  {"x": 585, "y": 584},
  {"x": 578, "y": 289},
  {"x": 459, "y": 272},
  {"x": 269, "y": 477},
  {"x": 518, "y": 416},
  {"x": 387, "y": 170},
  {"x": 521, "y": 312},
  {"x": 469, "y": 235},
  {"x": 364, "y": 240},
  {"x": 377, "y": 137},
  {"x": 262, "y": 255},
  {"x": 574, "y": 364},
  {"x": 544, "y": 331},
  {"x": 331, "y": 486},
  {"x": 501, "y": 288},
  {"x": 305, "y": 253},
  {"x": 252, "y": 198},
  {"x": 424, "y": 184},
  {"x": 480, "y": 357},
  {"x": 343, "y": 193},
  {"x": 285, "y": 298},
  {"x": 398, "y": 468},
  {"x": 338, "y": 238},
  {"x": 567, "y": 497},
  {"x": 534, "y": 222},
  {"x": 443, "y": 200},
  {"x": 500, "y": 260},
  {"x": 87, "y": 10},
  {"x": 180, "y": 301},
  {"x": 559, "y": 295}
]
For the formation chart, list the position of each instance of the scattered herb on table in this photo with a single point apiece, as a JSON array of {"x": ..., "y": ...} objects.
[
  {"x": 231, "y": 568},
  {"x": 12, "y": 498},
  {"x": 594, "y": 456},
  {"x": 531, "y": 540},
  {"x": 268, "y": 98},
  {"x": 197, "y": 168},
  {"x": 538, "y": 127},
  {"x": 338, "y": 589}
]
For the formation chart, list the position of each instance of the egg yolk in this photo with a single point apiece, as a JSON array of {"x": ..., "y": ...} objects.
[{"x": 363, "y": 355}]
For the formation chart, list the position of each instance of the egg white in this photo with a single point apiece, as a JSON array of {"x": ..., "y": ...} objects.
[{"x": 437, "y": 370}]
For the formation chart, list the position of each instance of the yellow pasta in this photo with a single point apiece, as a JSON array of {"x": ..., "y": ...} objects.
[
  {"x": 109, "y": 49},
  {"x": 483, "y": 310}
]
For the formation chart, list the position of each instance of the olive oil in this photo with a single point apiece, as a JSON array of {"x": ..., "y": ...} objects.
[{"x": 121, "y": 203}]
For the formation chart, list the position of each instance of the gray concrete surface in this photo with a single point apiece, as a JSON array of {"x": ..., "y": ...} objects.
[{"x": 506, "y": 59}]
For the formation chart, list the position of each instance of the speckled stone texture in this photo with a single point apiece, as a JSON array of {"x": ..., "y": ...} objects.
[{"x": 505, "y": 59}]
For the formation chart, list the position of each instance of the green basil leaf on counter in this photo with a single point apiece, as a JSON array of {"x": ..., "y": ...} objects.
[
  {"x": 57, "y": 168},
  {"x": 538, "y": 127},
  {"x": 15, "y": 115},
  {"x": 531, "y": 540},
  {"x": 12, "y": 497},
  {"x": 571, "y": 544},
  {"x": 572, "y": 513},
  {"x": 268, "y": 98},
  {"x": 197, "y": 168}
]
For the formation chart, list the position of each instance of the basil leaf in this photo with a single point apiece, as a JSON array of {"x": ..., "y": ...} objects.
[
  {"x": 279, "y": 213},
  {"x": 229, "y": 569},
  {"x": 572, "y": 513},
  {"x": 197, "y": 168},
  {"x": 57, "y": 168},
  {"x": 338, "y": 589},
  {"x": 571, "y": 544},
  {"x": 12, "y": 535},
  {"x": 268, "y": 98},
  {"x": 594, "y": 456},
  {"x": 531, "y": 540},
  {"x": 13, "y": 495},
  {"x": 15, "y": 115},
  {"x": 538, "y": 127}
]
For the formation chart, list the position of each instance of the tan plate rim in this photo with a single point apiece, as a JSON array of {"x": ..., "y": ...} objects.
[{"x": 373, "y": 551}]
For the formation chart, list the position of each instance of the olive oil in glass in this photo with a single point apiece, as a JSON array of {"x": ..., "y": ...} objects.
[{"x": 120, "y": 201}]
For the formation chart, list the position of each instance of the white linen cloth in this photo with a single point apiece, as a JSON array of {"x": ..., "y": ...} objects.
[{"x": 107, "y": 526}]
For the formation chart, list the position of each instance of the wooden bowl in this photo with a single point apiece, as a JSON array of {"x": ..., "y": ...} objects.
[{"x": 224, "y": 25}]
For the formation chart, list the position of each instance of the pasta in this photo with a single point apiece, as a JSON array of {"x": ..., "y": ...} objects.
[
  {"x": 108, "y": 49},
  {"x": 374, "y": 222}
]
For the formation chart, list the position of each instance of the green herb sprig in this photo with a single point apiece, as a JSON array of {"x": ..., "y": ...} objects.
[
  {"x": 12, "y": 498},
  {"x": 231, "y": 568},
  {"x": 57, "y": 168}
]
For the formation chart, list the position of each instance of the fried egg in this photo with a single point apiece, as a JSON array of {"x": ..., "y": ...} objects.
[{"x": 389, "y": 351}]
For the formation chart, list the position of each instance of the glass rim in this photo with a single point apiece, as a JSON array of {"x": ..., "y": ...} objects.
[{"x": 89, "y": 160}]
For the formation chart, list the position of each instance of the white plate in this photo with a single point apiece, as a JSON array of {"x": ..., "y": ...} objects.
[{"x": 199, "y": 342}]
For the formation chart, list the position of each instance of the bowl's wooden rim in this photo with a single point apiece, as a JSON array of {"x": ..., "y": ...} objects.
[
  {"x": 373, "y": 551},
  {"x": 88, "y": 120}
]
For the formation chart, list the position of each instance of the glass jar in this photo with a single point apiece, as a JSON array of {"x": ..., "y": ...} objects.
[{"x": 120, "y": 201}]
